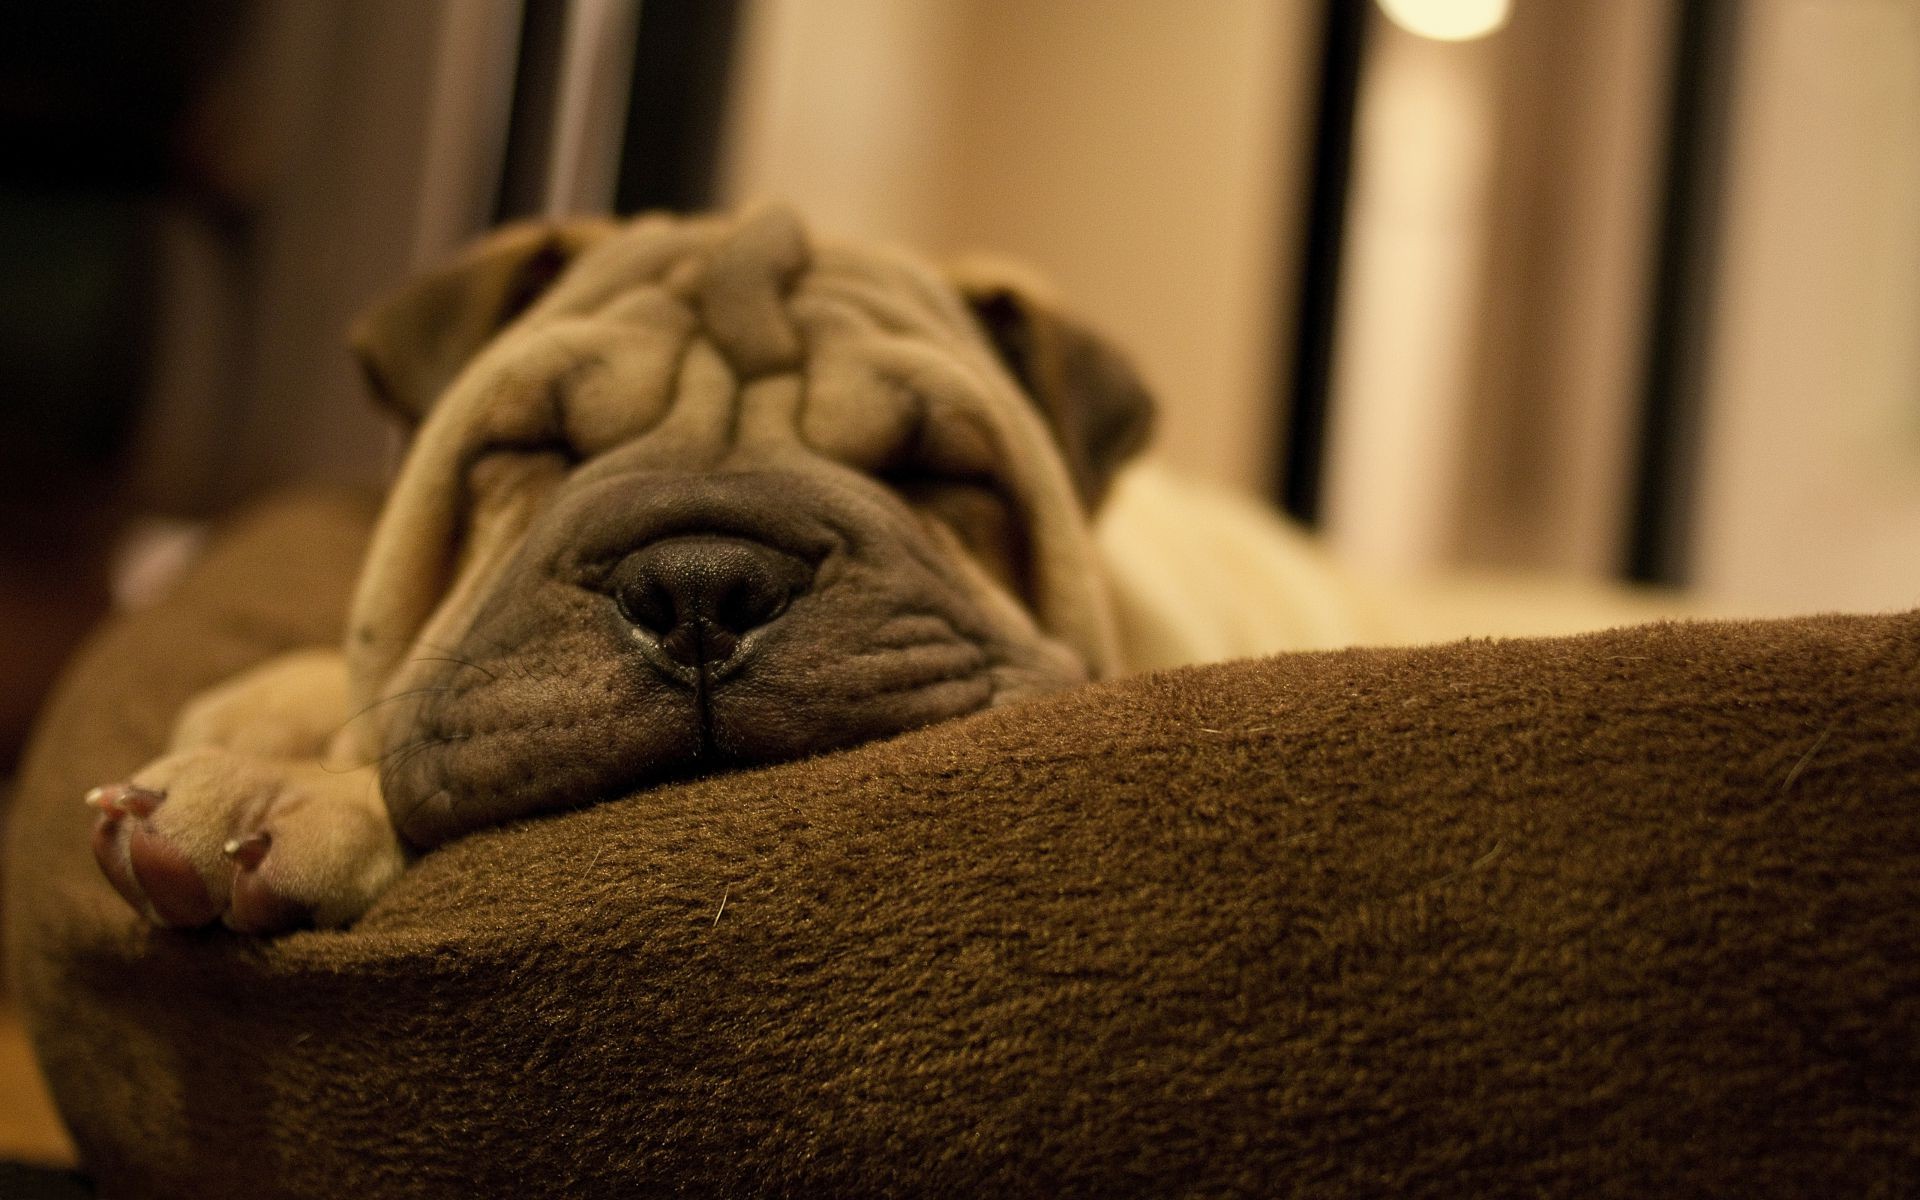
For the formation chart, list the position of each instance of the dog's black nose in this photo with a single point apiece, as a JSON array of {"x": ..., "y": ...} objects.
[{"x": 697, "y": 596}]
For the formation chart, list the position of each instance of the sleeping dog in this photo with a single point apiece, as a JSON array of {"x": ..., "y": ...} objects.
[{"x": 682, "y": 495}]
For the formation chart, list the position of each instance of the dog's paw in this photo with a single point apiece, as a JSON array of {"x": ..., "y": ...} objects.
[{"x": 261, "y": 845}]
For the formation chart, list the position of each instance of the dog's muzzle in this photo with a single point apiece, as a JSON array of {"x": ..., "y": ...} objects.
[
  {"x": 698, "y": 603},
  {"x": 660, "y": 624}
]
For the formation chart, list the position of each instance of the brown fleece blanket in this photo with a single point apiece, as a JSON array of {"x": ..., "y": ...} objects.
[{"x": 1629, "y": 914}]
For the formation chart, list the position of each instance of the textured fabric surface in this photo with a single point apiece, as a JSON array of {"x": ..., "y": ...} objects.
[{"x": 1626, "y": 914}]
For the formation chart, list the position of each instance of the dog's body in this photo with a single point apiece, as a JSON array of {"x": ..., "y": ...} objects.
[
  {"x": 683, "y": 494},
  {"x": 688, "y": 494}
]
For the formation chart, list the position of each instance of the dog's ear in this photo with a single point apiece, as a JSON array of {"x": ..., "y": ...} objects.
[
  {"x": 1098, "y": 409},
  {"x": 412, "y": 343}
]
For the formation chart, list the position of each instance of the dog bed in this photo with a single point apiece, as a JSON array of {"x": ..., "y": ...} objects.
[{"x": 1624, "y": 914}]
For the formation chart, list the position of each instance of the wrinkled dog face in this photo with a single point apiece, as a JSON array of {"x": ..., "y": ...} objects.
[{"x": 695, "y": 494}]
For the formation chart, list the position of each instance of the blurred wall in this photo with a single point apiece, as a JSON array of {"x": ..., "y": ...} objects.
[
  {"x": 1559, "y": 357},
  {"x": 360, "y": 140},
  {"x": 1148, "y": 155},
  {"x": 1492, "y": 312},
  {"x": 1492, "y": 349},
  {"x": 1144, "y": 154},
  {"x": 1810, "y": 484}
]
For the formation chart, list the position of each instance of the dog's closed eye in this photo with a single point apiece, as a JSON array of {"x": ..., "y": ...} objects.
[
  {"x": 505, "y": 486},
  {"x": 505, "y": 464},
  {"x": 979, "y": 514}
]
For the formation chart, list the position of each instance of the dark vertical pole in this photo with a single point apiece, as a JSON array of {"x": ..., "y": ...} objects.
[
  {"x": 1681, "y": 301},
  {"x": 536, "y": 90},
  {"x": 683, "y": 60},
  {"x": 1343, "y": 47}
]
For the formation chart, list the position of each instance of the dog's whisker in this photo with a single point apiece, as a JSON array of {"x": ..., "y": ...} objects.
[
  {"x": 439, "y": 652},
  {"x": 392, "y": 760},
  {"x": 368, "y": 708},
  {"x": 898, "y": 591},
  {"x": 386, "y": 770},
  {"x": 461, "y": 662},
  {"x": 412, "y": 752}
]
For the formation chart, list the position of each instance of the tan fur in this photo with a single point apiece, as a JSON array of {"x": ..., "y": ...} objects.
[{"x": 666, "y": 342}]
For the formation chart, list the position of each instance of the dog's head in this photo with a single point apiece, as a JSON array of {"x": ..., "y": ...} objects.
[{"x": 691, "y": 493}]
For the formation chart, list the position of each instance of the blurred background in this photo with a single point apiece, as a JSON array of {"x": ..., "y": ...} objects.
[{"x": 1610, "y": 289}]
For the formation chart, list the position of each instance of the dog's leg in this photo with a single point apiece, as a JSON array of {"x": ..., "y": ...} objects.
[
  {"x": 288, "y": 707},
  {"x": 246, "y": 822}
]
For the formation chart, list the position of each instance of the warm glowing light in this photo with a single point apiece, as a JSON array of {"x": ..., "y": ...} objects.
[{"x": 1448, "y": 20}]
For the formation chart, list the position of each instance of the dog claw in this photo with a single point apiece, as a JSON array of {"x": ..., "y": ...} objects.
[
  {"x": 113, "y": 862},
  {"x": 125, "y": 799},
  {"x": 250, "y": 851},
  {"x": 170, "y": 881},
  {"x": 255, "y": 907},
  {"x": 210, "y": 837}
]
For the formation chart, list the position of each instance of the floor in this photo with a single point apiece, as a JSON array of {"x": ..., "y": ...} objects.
[
  {"x": 53, "y": 589},
  {"x": 29, "y": 1130}
]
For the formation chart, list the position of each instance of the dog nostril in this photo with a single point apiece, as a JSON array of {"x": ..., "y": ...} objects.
[
  {"x": 699, "y": 595},
  {"x": 649, "y": 605},
  {"x": 751, "y": 602}
]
